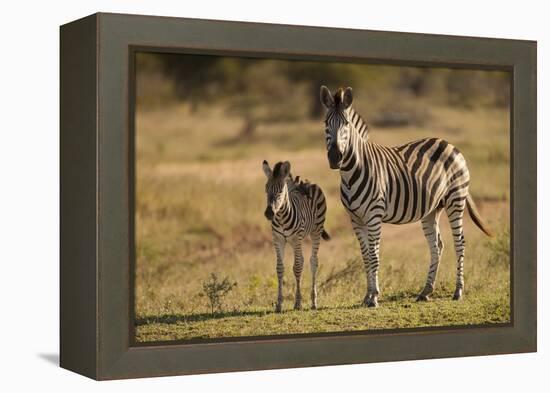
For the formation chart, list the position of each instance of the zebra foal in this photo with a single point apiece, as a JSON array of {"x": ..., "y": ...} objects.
[
  {"x": 296, "y": 210},
  {"x": 408, "y": 183}
]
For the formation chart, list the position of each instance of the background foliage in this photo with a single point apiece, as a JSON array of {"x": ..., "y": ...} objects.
[{"x": 265, "y": 91}]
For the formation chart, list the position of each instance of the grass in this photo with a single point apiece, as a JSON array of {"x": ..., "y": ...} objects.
[
  {"x": 397, "y": 311},
  {"x": 200, "y": 202}
]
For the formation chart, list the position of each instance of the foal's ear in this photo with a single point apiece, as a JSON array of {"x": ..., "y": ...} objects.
[
  {"x": 348, "y": 98},
  {"x": 266, "y": 168},
  {"x": 285, "y": 169},
  {"x": 326, "y": 97}
]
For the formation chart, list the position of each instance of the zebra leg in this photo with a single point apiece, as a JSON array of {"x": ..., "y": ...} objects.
[
  {"x": 374, "y": 231},
  {"x": 369, "y": 245},
  {"x": 279, "y": 243},
  {"x": 430, "y": 226},
  {"x": 315, "y": 241},
  {"x": 456, "y": 213},
  {"x": 298, "y": 266},
  {"x": 360, "y": 233}
]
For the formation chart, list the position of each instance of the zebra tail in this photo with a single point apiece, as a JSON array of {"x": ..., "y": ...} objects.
[
  {"x": 325, "y": 235},
  {"x": 476, "y": 217}
]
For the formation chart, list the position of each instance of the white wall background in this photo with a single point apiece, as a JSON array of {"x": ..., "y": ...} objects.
[{"x": 29, "y": 213}]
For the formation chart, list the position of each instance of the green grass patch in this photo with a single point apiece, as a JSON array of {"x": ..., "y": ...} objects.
[{"x": 395, "y": 311}]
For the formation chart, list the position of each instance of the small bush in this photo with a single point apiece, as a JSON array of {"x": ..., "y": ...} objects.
[{"x": 215, "y": 290}]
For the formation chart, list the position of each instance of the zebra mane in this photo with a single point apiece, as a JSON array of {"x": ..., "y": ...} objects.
[
  {"x": 299, "y": 185},
  {"x": 359, "y": 124},
  {"x": 338, "y": 96}
]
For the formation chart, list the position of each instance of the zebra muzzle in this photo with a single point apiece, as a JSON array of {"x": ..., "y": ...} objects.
[
  {"x": 334, "y": 157},
  {"x": 268, "y": 213}
]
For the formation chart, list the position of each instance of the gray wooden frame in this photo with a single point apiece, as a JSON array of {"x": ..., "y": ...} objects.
[{"x": 97, "y": 195}]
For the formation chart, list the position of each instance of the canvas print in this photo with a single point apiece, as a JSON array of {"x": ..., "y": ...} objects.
[{"x": 280, "y": 197}]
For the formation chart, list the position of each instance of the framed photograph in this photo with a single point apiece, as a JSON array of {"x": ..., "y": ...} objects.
[{"x": 242, "y": 196}]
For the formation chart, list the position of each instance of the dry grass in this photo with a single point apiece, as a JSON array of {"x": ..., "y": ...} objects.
[{"x": 200, "y": 202}]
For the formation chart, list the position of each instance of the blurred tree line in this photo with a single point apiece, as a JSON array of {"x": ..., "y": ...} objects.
[{"x": 265, "y": 91}]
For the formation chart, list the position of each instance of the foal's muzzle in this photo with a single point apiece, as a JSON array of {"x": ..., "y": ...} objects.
[{"x": 268, "y": 213}]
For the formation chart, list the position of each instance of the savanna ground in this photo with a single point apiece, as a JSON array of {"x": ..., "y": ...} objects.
[{"x": 199, "y": 210}]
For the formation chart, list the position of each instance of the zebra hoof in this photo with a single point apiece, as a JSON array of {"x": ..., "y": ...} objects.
[
  {"x": 314, "y": 307},
  {"x": 423, "y": 298},
  {"x": 278, "y": 308},
  {"x": 298, "y": 306},
  {"x": 371, "y": 301},
  {"x": 457, "y": 295}
]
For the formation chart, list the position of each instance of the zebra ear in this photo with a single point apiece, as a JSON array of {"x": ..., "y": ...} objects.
[
  {"x": 348, "y": 98},
  {"x": 266, "y": 168},
  {"x": 326, "y": 97},
  {"x": 285, "y": 169}
]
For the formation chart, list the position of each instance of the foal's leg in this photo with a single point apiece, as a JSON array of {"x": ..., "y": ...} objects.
[
  {"x": 298, "y": 267},
  {"x": 315, "y": 241},
  {"x": 279, "y": 243},
  {"x": 430, "y": 226}
]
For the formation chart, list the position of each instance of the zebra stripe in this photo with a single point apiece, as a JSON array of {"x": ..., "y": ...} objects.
[
  {"x": 397, "y": 185},
  {"x": 296, "y": 210}
]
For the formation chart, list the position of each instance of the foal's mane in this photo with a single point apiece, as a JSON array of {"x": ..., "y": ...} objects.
[{"x": 299, "y": 185}]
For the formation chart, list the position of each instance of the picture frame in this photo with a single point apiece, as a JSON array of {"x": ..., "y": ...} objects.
[{"x": 97, "y": 195}]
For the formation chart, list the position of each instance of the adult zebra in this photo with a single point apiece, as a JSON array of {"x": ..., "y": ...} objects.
[
  {"x": 296, "y": 210},
  {"x": 398, "y": 185}
]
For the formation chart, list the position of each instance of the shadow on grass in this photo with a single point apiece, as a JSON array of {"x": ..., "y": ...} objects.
[
  {"x": 401, "y": 299},
  {"x": 400, "y": 296},
  {"x": 175, "y": 318}
]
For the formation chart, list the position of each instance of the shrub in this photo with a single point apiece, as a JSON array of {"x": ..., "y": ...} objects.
[{"x": 215, "y": 290}]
